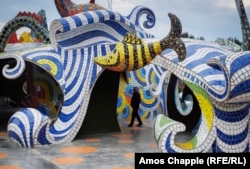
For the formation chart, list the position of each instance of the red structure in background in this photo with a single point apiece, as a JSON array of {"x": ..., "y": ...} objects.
[
  {"x": 13, "y": 38},
  {"x": 69, "y": 8},
  {"x": 39, "y": 18}
]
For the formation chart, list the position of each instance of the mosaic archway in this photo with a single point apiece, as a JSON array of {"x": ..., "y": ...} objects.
[{"x": 20, "y": 22}]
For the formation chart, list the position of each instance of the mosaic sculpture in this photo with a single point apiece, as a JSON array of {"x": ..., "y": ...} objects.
[
  {"x": 36, "y": 22},
  {"x": 214, "y": 82},
  {"x": 68, "y": 8},
  {"x": 132, "y": 53},
  {"x": 218, "y": 78},
  {"x": 70, "y": 62}
]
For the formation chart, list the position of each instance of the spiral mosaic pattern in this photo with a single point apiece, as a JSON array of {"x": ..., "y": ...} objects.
[
  {"x": 144, "y": 78},
  {"x": 17, "y": 70}
]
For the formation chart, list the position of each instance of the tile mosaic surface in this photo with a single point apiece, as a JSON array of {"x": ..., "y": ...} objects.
[{"x": 215, "y": 80}]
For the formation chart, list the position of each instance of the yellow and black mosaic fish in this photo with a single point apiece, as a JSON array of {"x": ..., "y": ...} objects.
[{"x": 132, "y": 53}]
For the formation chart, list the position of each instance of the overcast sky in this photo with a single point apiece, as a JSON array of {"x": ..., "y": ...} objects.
[{"x": 208, "y": 18}]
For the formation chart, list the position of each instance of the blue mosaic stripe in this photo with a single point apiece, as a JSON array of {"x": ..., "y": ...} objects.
[
  {"x": 232, "y": 139},
  {"x": 41, "y": 136},
  {"x": 85, "y": 36},
  {"x": 207, "y": 76},
  {"x": 168, "y": 146},
  {"x": 242, "y": 88},
  {"x": 21, "y": 126},
  {"x": 83, "y": 72},
  {"x": 110, "y": 21},
  {"x": 92, "y": 17},
  {"x": 240, "y": 62},
  {"x": 72, "y": 89},
  {"x": 194, "y": 62},
  {"x": 27, "y": 128},
  {"x": 231, "y": 115}
]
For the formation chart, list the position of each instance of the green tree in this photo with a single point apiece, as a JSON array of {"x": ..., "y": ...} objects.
[
  {"x": 235, "y": 40},
  {"x": 190, "y": 36}
]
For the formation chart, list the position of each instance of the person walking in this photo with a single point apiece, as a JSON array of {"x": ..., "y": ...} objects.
[{"x": 135, "y": 102}]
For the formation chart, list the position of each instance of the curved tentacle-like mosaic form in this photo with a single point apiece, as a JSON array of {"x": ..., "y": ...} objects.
[
  {"x": 68, "y": 8},
  {"x": 70, "y": 61},
  {"x": 139, "y": 11},
  {"x": 19, "y": 22},
  {"x": 245, "y": 27},
  {"x": 17, "y": 70},
  {"x": 219, "y": 81},
  {"x": 155, "y": 90}
]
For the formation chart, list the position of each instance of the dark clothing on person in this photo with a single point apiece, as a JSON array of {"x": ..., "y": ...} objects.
[{"x": 135, "y": 102}]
